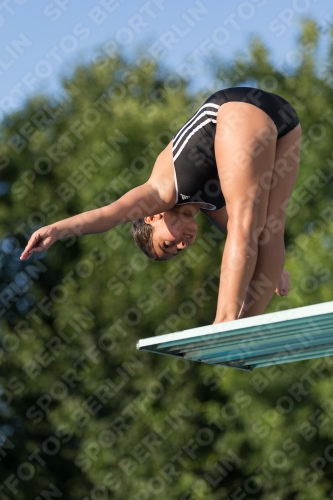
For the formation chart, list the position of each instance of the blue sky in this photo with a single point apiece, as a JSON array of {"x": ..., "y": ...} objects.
[{"x": 43, "y": 40}]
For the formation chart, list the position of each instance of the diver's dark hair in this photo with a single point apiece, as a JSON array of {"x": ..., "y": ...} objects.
[{"x": 143, "y": 237}]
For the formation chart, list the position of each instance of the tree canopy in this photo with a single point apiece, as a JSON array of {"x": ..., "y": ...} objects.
[{"x": 83, "y": 414}]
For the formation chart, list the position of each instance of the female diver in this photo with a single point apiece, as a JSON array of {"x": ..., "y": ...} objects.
[{"x": 236, "y": 160}]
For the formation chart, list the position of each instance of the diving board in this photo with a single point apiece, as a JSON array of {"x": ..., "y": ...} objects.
[{"x": 245, "y": 344}]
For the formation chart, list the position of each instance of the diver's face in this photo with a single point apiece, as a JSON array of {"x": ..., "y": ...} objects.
[{"x": 173, "y": 232}]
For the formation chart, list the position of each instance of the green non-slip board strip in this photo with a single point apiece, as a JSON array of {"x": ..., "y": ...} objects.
[
  {"x": 310, "y": 352},
  {"x": 244, "y": 349},
  {"x": 251, "y": 343},
  {"x": 248, "y": 347},
  {"x": 255, "y": 333},
  {"x": 287, "y": 336}
]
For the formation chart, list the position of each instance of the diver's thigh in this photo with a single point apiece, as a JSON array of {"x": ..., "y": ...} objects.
[
  {"x": 245, "y": 148},
  {"x": 286, "y": 165}
]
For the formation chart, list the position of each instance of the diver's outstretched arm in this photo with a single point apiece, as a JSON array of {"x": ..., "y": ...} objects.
[{"x": 141, "y": 201}]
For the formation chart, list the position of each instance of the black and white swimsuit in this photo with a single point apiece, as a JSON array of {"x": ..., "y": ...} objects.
[{"x": 196, "y": 175}]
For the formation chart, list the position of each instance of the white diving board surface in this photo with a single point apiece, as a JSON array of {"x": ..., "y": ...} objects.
[{"x": 245, "y": 344}]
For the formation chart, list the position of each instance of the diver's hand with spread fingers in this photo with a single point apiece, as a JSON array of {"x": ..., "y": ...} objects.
[
  {"x": 40, "y": 241},
  {"x": 284, "y": 284}
]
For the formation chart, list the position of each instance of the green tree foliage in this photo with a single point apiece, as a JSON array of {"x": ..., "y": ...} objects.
[{"x": 84, "y": 415}]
